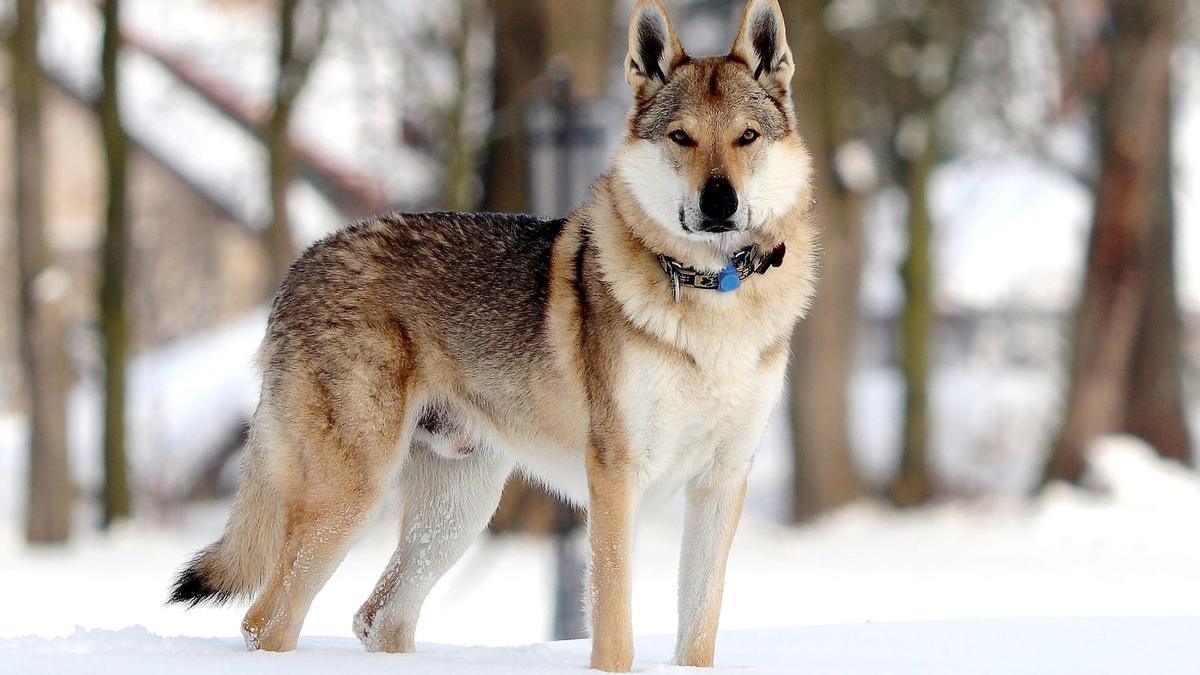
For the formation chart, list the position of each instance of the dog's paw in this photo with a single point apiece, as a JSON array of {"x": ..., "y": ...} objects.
[
  {"x": 251, "y": 632},
  {"x": 378, "y": 634},
  {"x": 362, "y": 628},
  {"x": 251, "y": 636}
]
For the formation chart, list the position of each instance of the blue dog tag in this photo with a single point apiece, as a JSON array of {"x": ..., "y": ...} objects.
[{"x": 727, "y": 279}]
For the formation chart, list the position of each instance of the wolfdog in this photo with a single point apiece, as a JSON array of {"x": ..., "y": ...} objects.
[{"x": 634, "y": 348}]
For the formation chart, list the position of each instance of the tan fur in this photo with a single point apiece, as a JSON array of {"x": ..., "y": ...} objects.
[
  {"x": 610, "y": 519},
  {"x": 557, "y": 347}
]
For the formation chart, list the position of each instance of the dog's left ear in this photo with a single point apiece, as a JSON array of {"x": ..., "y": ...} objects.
[{"x": 762, "y": 44}]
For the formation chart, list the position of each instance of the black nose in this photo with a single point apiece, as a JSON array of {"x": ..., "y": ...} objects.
[{"x": 718, "y": 199}]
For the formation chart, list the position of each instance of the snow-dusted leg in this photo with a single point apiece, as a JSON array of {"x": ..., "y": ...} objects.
[
  {"x": 712, "y": 516},
  {"x": 611, "y": 499},
  {"x": 446, "y": 503},
  {"x": 318, "y": 533}
]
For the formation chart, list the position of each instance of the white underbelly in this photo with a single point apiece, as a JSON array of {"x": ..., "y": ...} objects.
[{"x": 561, "y": 470}]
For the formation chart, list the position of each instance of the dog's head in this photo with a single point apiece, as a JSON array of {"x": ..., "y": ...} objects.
[{"x": 712, "y": 155}]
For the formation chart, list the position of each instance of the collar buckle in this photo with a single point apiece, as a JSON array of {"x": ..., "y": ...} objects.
[{"x": 672, "y": 268}]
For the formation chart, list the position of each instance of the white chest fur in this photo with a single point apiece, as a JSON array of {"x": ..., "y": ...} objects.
[{"x": 685, "y": 421}]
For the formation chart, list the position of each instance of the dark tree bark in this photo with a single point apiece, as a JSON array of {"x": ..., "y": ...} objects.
[
  {"x": 914, "y": 484},
  {"x": 520, "y": 60},
  {"x": 1154, "y": 401},
  {"x": 295, "y": 60},
  {"x": 915, "y": 105},
  {"x": 458, "y": 190},
  {"x": 44, "y": 361},
  {"x": 1125, "y": 373},
  {"x": 528, "y": 35},
  {"x": 114, "y": 315},
  {"x": 823, "y": 475}
]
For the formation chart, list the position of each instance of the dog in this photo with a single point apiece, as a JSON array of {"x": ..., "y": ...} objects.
[{"x": 634, "y": 348}]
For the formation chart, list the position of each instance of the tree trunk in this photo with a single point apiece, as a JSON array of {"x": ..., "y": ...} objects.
[
  {"x": 823, "y": 475},
  {"x": 913, "y": 484},
  {"x": 528, "y": 34},
  {"x": 43, "y": 358},
  {"x": 295, "y": 61},
  {"x": 114, "y": 317},
  {"x": 581, "y": 33},
  {"x": 459, "y": 192},
  {"x": 520, "y": 60},
  {"x": 1154, "y": 402},
  {"x": 1125, "y": 370}
]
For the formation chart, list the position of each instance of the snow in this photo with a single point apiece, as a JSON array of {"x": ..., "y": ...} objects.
[
  {"x": 1163, "y": 646},
  {"x": 1075, "y": 581}
]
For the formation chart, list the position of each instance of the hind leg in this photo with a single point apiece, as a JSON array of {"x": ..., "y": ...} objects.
[
  {"x": 322, "y": 518},
  {"x": 447, "y": 503},
  {"x": 317, "y": 536},
  {"x": 335, "y": 451}
]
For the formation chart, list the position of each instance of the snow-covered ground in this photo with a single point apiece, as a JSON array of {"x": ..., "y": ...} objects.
[
  {"x": 996, "y": 586},
  {"x": 1163, "y": 646}
]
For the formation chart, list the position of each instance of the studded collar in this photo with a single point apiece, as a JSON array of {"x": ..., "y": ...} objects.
[{"x": 743, "y": 263}]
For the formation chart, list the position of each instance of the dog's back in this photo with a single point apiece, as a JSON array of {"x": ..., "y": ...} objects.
[{"x": 475, "y": 284}]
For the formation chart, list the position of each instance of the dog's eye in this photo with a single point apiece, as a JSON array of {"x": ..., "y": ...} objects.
[
  {"x": 680, "y": 137},
  {"x": 749, "y": 137}
]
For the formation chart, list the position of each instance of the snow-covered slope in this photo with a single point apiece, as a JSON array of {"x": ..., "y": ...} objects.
[{"x": 1164, "y": 646}]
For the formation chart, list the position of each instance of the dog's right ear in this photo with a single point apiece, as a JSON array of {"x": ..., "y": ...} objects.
[{"x": 654, "y": 49}]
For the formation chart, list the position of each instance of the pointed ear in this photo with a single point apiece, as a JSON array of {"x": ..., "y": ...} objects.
[
  {"x": 762, "y": 44},
  {"x": 654, "y": 49}
]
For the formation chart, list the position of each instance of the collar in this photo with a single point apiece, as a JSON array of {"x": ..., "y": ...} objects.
[{"x": 743, "y": 263}]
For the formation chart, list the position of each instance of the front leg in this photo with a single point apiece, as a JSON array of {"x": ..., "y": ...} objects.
[
  {"x": 712, "y": 514},
  {"x": 611, "y": 496}
]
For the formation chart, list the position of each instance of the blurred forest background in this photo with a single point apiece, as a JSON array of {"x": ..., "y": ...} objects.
[{"x": 1010, "y": 192}]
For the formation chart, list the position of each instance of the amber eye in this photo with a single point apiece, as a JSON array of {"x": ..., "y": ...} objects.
[
  {"x": 749, "y": 137},
  {"x": 680, "y": 137}
]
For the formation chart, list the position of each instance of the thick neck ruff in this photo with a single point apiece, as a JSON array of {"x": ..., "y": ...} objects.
[{"x": 743, "y": 263}]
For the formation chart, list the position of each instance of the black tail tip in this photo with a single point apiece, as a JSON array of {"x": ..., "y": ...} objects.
[{"x": 192, "y": 587}]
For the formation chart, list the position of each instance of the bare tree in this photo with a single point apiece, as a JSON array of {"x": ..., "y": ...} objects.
[
  {"x": 114, "y": 315},
  {"x": 823, "y": 475},
  {"x": 459, "y": 193},
  {"x": 44, "y": 361},
  {"x": 520, "y": 59},
  {"x": 296, "y": 56},
  {"x": 925, "y": 43},
  {"x": 1126, "y": 368},
  {"x": 914, "y": 484}
]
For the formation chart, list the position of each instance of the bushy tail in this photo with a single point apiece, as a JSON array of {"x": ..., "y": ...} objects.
[{"x": 238, "y": 563}]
